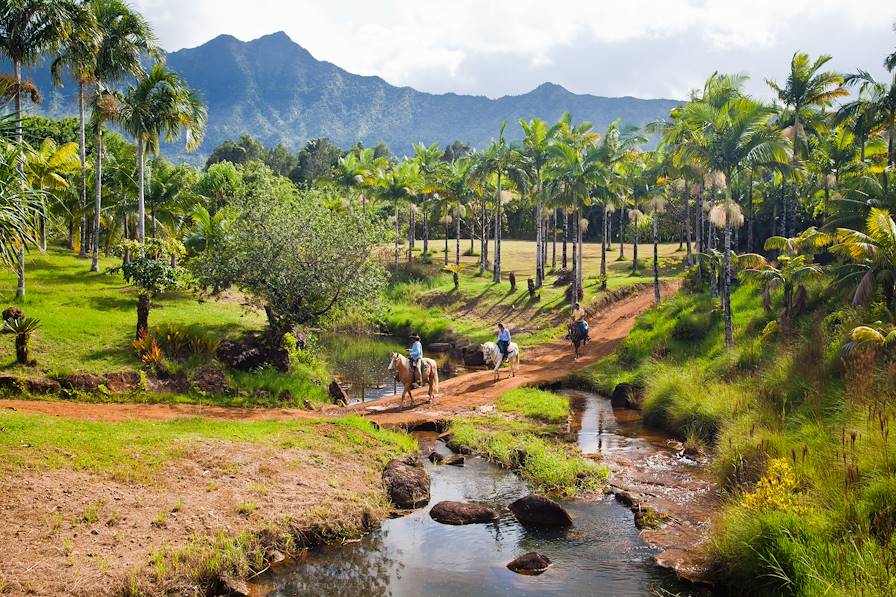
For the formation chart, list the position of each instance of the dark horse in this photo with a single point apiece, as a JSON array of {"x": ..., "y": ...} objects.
[{"x": 576, "y": 336}]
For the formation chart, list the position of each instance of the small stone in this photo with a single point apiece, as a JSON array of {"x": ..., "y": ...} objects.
[
  {"x": 436, "y": 458},
  {"x": 454, "y": 461}
]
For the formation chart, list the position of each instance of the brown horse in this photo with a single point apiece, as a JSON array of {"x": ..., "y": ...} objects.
[{"x": 405, "y": 374}]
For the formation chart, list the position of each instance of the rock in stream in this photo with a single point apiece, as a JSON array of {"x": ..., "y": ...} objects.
[{"x": 407, "y": 484}]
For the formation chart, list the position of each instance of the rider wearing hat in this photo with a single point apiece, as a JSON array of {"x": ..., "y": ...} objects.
[
  {"x": 578, "y": 318},
  {"x": 416, "y": 356}
]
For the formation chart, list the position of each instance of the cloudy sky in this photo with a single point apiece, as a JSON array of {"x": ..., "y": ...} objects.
[{"x": 644, "y": 48}]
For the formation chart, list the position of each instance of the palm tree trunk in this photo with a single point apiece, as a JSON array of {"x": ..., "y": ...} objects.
[
  {"x": 43, "y": 229},
  {"x": 751, "y": 213},
  {"x": 635, "y": 246},
  {"x": 425, "y": 231},
  {"x": 729, "y": 334},
  {"x": 554, "y": 244},
  {"x": 20, "y": 166},
  {"x": 141, "y": 196},
  {"x": 457, "y": 241},
  {"x": 483, "y": 242},
  {"x": 411, "y": 226},
  {"x": 496, "y": 277},
  {"x": 126, "y": 257},
  {"x": 713, "y": 280},
  {"x": 98, "y": 189},
  {"x": 538, "y": 256},
  {"x": 579, "y": 273},
  {"x": 656, "y": 260},
  {"x": 687, "y": 222},
  {"x": 82, "y": 149},
  {"x": 71, "y": 234},
  {"x": 397, "y": 232},
  {"x": 565, "y": 238},
  {"x": 603, "y": 249},
  {"x": 447, "y": 224},
  {"x": 621, "y": 255}
]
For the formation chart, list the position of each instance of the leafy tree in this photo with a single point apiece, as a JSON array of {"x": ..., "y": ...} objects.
[
  {"x": 456, "y": 150},
  {"x": 47, "y": 169},
  {"x": 296, "y": 258},
  {"x": 246, "y": 149},
  {"x": 220, "y": 183},
  {"x": 316, "y": 161}
]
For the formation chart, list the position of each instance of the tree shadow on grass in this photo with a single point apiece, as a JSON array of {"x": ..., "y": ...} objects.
[{"x": 113, "y": 303}]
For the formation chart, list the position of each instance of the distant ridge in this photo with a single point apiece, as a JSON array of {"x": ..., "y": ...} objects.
[{"x": 275, "y": 90}]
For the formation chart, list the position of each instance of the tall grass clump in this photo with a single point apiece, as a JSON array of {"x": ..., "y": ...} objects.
[{"x": 535, "y": 404}]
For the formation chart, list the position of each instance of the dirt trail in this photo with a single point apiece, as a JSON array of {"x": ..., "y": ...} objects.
[{"x": 542, "y": 365}]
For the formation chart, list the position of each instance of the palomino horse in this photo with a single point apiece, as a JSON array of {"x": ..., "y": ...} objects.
[
  {"x": 576, "y": 336},
  {"x": 493, "y": 357},
  {"x": 405, "y": 373}
]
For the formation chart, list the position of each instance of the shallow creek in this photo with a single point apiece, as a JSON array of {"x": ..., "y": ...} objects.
[{"x": 603, "y": 554}]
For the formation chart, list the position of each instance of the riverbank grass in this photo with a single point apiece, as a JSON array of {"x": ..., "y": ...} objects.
[{"x": 533, "y": 403}]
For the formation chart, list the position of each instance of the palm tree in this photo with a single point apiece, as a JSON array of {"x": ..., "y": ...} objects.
[
  {"x": 18, "y": 204},
  {"x": 78, "y": 56},
  {"x": 873, "y": 256},
  {"x": 791, "y": 275},
  {"x": 535, "y": 153},
  {"x": 207, "y": 229},
  {"x": 432, "y": 170},
  {"x": 125, "y": 38},
  {"x": 577, "y": 172},
  {"x": 160, "y": 104},
  {"x": 47, "y": 169},
  {"x": 396, "y": 184},
  {"x": 876, "y": 103},
  {"x": 28, "y": 30},
  {"x": 496, "y": 160},
  {"x": 457, "y": 193}
]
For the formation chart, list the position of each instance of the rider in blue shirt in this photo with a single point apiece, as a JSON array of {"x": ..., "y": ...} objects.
[
  {"x": 503, "y": 339},
  {"x": 416, "y": 356}
]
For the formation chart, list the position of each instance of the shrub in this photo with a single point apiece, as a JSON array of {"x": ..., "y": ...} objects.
[
  {"x": 693, "y": 326},
  {"x": 180, "y": 342}
]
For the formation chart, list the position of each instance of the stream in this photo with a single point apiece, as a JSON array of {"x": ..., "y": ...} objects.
[
  {"x": 360, "y": 364},
  {"x": 603, "y": 554}
]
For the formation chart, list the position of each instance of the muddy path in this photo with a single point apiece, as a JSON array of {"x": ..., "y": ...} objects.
[{"x": 543, "y": 365}]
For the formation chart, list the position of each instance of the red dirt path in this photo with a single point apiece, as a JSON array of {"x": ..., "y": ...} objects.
[{"x": 542, "y": 365}]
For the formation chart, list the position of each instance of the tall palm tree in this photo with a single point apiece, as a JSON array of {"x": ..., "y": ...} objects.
[
  {"x": 535, "y": 153},
  {"x": 577, "y": 172},
  {"x": 125, "y": 38},
  {"x": 807, "y": 89},
  {"x": 396, "y": 184},
  {"x": 876, "y": 102},
  {"x": 432, "y": 170},
  {"x": 28, "y": 30},
  {"x": 732, "y": 133},
  {"x": 456, "y": 192},
  {"x": 160, "y": 104},
  {"x": 496, "y": 160},
  {"x": 78, "y": 57}
]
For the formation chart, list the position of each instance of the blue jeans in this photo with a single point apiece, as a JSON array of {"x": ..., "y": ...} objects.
[
  {"x": 583, "y": 328},
  {"x": 504, "y": 347}
]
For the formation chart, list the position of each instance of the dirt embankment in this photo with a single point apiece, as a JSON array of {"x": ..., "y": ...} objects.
[{"x": 69, "y": 532}]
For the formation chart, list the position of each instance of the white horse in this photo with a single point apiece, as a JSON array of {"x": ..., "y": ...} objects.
[
  {"x": 401, "y": 365},
  {"x": 493, "y": 357}
]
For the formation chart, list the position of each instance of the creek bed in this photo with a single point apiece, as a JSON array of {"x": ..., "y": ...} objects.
[{"x": 603, "y": 554}]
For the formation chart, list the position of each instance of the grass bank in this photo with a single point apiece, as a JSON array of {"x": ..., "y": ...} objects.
[
  {"x": 527, "y": 436},
  {"x": 798, "y": 428},
  {"x": 423, "y": 298},
  {"x": 169, "y": 507}
]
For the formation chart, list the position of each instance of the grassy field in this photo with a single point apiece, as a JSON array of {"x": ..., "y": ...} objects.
[
  {"x": 424, "y": 299},
  {"x": 88, "y": 319}
]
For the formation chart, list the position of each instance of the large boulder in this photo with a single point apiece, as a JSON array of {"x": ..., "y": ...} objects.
[
  {"x": 539, "y": 511},
  {"x": 440, "y": 347},
  {"x": 457, "y": 513},
  {"x": 251, "y": 352},
  {"x": 10, "y": 382},
  {"x": 627, "y": 395},
  {"x": 43, "y": 386},
  {"x": 337, "y": 394},
  {"x": 407, "y": 484},
  {"x": 82, "y": 382},
  {"x": 211, "y": 380},
  {"x": 123, "y": 381},
  {"x": 531, "y": 563},
  {"x": 473, "y": 356}
]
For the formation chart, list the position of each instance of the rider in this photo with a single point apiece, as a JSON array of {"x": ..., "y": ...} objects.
[
  {"x": 503, "y": 340},
  {"x": 416, "y": 357},
  {"x": 578, "y": 318}
]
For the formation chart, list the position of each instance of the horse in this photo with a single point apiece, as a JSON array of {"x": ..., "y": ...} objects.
[
  {"x": 493, "y": 356},
  {"x": 576, "y": 336},
  {"x": 401, "y": 365}
]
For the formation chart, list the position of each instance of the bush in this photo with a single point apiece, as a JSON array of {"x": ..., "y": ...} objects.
[{"x": 181, "y": 342}]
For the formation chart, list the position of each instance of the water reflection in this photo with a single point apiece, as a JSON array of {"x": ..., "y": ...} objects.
[
  {"x": 360, "y": 364},
  {"x": 414, "y": 555}
]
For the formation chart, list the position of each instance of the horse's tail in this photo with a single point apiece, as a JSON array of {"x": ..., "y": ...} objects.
[{"x": 435, "y": 379}]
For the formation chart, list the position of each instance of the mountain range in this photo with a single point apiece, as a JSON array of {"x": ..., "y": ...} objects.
[{"x": 275, "y": 90}]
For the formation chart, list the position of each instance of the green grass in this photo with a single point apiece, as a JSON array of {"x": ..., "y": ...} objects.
[
  {"x": 551, "y": 466},
  {"x": 88, "y": 319},
  {"x": 136, "y": 449},
  {"x": 535, "y": 404},
  {"x": 789, "y": 397},
  {"x": 424, "y": 300}
]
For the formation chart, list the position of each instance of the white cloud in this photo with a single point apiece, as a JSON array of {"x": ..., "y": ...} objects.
[{"x": 508, "y": 46}]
